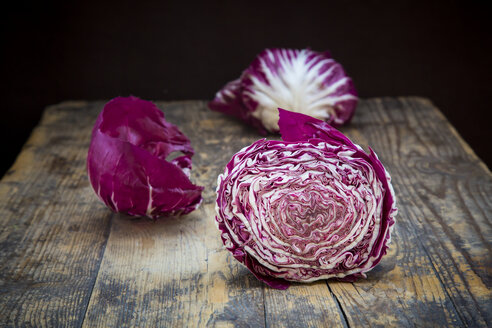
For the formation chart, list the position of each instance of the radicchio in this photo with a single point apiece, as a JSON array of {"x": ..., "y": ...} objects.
[
  {"x": 127, "y": 163},
  {"x": 313, "y": 206},
  {"x": 304, "y": 81}
]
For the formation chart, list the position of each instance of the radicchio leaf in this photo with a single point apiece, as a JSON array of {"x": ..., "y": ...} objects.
[
  {"x": 127, "y": 163},
  {"x": 303, "y": 81},
  {"x": 313, "y": 206}
]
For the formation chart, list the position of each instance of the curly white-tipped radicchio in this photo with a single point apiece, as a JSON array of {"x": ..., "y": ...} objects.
[
  {"x": 127, "y": 164},
  {"x": 303, "y": 81},
  {"x": 313, "y": 206}
]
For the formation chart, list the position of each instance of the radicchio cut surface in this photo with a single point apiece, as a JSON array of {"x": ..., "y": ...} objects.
[
  {"x": 313, "y": 206},
  {"x": 127, "y": 163},
  {"x": 302, "y": 81}
]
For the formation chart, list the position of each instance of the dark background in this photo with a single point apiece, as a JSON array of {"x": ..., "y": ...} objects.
[{"x": 55, "y": 51}]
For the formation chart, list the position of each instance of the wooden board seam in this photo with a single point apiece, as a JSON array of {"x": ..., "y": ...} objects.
[
  {"x": 341, "y": 311},
  {"x": 101, "y": 257}
]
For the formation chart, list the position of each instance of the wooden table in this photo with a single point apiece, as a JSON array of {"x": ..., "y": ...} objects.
[{"x": 66, "y": 260}]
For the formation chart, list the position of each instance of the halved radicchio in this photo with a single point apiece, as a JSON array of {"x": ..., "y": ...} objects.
[
  {"x": 313, "y": 206},
  {"x": 127, "y": 164},
  {"x": 303, "y": 81}
]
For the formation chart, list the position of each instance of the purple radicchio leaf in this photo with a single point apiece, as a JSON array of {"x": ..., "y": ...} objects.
[
  {"x": 303, "y": 81},
  {"x": 127, "y": 163},
  {"x": 313, "y": 206}
]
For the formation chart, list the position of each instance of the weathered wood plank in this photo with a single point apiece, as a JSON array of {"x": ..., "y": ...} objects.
[
  {"x": 303, "y": 305},
  {"x": 438, "y": 269},
  {"x": 175, "y": 272},
  {"x": 52, "y": 236}
]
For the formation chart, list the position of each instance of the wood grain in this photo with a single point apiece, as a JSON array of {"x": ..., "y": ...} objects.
[
  {"x": 175, "y": 272},
  {"x": 52, "y": 236},
  {"x": 67, "y": 261},
  {"x": 444, "y": 249}
]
